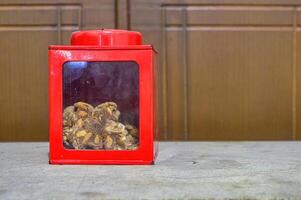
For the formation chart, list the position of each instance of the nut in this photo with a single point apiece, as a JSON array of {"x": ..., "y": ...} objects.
[{"x": 86, "y": 127}]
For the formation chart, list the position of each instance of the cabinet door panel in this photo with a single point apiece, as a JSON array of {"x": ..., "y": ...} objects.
[
  {"x": 240, "y": 84},
  {"x": 297, "y": 87},
  {"x": 26, "y": 30},
  {"x": 230, "y": 71}
]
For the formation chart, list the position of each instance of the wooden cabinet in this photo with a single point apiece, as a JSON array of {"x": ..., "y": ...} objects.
[
  {"x": 230, "y": 69},
  {"x": 26, "y": 30}
]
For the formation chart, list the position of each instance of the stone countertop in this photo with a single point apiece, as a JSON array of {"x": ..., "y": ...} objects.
[{"x": 183, "y": 170}]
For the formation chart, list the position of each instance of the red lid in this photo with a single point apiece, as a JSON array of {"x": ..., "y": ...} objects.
[{"x": 106, "y": 37}]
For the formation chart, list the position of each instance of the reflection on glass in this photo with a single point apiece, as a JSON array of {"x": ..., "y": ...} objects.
[{"x": 101, "y": 105}]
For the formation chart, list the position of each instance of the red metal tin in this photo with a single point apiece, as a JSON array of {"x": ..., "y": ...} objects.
[
  {"x": 106, "y": 37},
  {"x": 106, "y": 46}
]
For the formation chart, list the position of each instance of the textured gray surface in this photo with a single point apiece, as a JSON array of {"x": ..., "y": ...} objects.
[{"x": 183, "y": 170}]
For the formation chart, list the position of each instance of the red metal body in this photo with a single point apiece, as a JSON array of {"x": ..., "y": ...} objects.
[{"x": 103, "y": 45}]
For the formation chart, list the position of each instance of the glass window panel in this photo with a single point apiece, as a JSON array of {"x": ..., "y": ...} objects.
[{"x": 101, "y": 105}]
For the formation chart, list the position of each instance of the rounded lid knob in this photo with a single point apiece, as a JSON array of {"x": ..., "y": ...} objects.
[{"x": 106, "y": 37}]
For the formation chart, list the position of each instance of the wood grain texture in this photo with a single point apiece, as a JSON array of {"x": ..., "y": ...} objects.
[
  {"x": 175, "y": 92},
  {"x": 297, "y": 76},
  {"x": 231, "y": 69},
  {"x": 298, "y": 92},
  {"x": 26, "y": 30},
  {"x": 245, "y": 97},
  {"x": 233, "y": 2},
  {"x": 241, "y": 69},
  {"x": 231, "y": 15},
  {"x": 146, "y": 17}
]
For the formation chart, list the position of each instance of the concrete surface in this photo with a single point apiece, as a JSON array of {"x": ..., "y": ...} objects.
[{"x": 184, "y": 170}]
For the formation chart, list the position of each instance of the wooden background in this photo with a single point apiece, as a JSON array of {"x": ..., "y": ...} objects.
[{"x": 230, "y": 70}]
